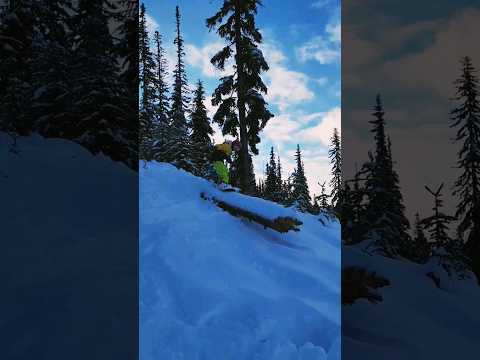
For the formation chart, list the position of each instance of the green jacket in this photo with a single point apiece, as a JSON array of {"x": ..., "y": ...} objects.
[{"x": 222, "y": 171}]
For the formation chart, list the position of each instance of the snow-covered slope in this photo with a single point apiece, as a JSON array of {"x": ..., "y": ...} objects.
[
  {"x": 215, "y": 287},
  {"x": 415, "y": 320},
  {"x": 68, "y": 254}
]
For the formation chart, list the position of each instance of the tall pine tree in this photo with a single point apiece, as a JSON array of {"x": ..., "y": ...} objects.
[
  {"x": 466, "y": 118},
  {"x": 241, "y": 106},
  {"x": 437, "y": 224},
  {"x": 162, "y": 121},
  {"x": 384, "y": 210},
  {"x": 147, "y": 88},
  {"x": 178, "y": 145},
  {"x": 101, "y": 123},
  {"x": 335, "y": 155},
  {"x": 300, "y": 193},
  {"x": 201, "y": 132},
  {"x": 271, "y": 180}
]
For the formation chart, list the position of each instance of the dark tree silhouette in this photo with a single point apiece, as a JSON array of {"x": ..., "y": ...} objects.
[
  {"x": 466, "y": 119},
  {"x": 241, "y": 106}
]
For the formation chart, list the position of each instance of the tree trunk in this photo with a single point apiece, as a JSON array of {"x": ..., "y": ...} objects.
[
  {"x": 245, "y": 158},
  {"x": 280, "y": 224}
]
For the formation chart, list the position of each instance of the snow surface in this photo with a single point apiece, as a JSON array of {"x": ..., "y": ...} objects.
[
  {"x": 213, "y": 286},
  {"x": 415, "y": 320},
  {"x": 69, "y": 242}
]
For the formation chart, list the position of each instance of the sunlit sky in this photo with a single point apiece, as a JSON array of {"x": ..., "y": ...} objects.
[{"x": 301, "y": 43}]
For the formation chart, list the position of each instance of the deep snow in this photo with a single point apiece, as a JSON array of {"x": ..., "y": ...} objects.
[
  {"x": 69, "y": 252},
  {"x": 213, "y": 286},
  {"x": 415, "y": 320}
]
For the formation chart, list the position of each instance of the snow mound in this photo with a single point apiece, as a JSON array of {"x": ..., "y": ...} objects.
[
  {"x": 69, "y": 241},
  {"x": 415, "y": 320},
  {"x": 213, "y": 286}
]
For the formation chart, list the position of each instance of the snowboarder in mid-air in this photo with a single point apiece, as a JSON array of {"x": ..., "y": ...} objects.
[{"x": 221, "y": 154}]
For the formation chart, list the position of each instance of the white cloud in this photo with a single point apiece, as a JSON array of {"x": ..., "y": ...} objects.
[
  {"x": 321, "y": 81},
  {"x": 320, "y": 4},
  {"x": 152, "y": 24},
  {"x": 322, "y": 131},
  {"x": 199, "y": 57},
  {"x": 323, "y": 48},
  {"x": 334, "y": 31},
  {"x": 319, "y": 49},
  {"x": 285, "y": 87}
]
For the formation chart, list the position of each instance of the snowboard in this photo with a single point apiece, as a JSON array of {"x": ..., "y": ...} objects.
[{"x": 227, "y": 188}]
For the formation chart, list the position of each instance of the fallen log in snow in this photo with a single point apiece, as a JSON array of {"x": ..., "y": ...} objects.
[{"x": 280, "y": 224}]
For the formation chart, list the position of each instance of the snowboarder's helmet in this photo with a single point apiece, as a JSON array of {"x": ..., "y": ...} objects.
[{"x": 225, "y": 147}]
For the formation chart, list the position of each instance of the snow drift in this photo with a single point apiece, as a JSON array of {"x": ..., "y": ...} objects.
[
  {"x": 69, "y": 242},
  {"x": 415, "y": 319},
  {"x": 214, "y": 286}
]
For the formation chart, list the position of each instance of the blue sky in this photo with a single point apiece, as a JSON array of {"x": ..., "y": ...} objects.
[{"x": 302, "y": 47}]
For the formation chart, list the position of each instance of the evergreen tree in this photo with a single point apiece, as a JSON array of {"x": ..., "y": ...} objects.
[
  {"x": 323, "y": 198},
  {"x": 466, "y": 118},
  {"x": 420, "y": 249},
  {"x": 101, "y": 123},
  {"x": 50, "y": 107},
  {"x": 352, "y": 210},
  {"x": 437, "y": 224},
  {"x": 161, "y": 101},
  {"x": 335, "y": 155},
  {"x": 147, "y": 88},
  {"x": 178, "y": 146},
  {"x": 384, "y": 209},
  {"x": 271, "y": 181},
  {"x": 201, "y": 132},
  {"x": 241, "y": 106},
  {"x": 16, "y": 35},
  {"x": 315, "y": 210},
  {"x": 161, "y": 90},
  {"x": 300, "y": 193},
  {"x": 128, "y": 46}
]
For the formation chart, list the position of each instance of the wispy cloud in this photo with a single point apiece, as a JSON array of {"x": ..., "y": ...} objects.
[
  {"x": 319, "y": 4},
  {"x": 286, "y": 87},
  {"x": 199, "y": 57},
  {"x": 323, "y": 48},
  {"x": 152, "y": 24},
  {"x": 319, "y": 49}
]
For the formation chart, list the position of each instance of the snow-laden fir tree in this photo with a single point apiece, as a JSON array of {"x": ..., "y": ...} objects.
[
  {"x": 161, "y": 88},
  {"x": 352, "y": 210},
  {"x": 420, "y": 249},
  {"x": 437, "y": 224},
  {"x": 384, "y": 210},
  {"x": 16, "y": 31},
  {"x": 201, "y": 133},
  {"x": 128, "y": 46},
  {"x": 50, "y": 107},
  {"x": 162, "y": 109},
  {"x": 126, "y": 42},
  {"x": 323, "y": 198},
  {"x": 335, "y": 155},
  {"x": 101, "y": 123},
  {"x": 466, "y": 119},
  {"x": 271, "y": 191},
  {"x": 322, "y": 202},
  {"x": 178, "y": 146},
  {"x": 147, "y": 113},
  {"x": 242, "y": 109},
  {"x": 300, "y": 193}
]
